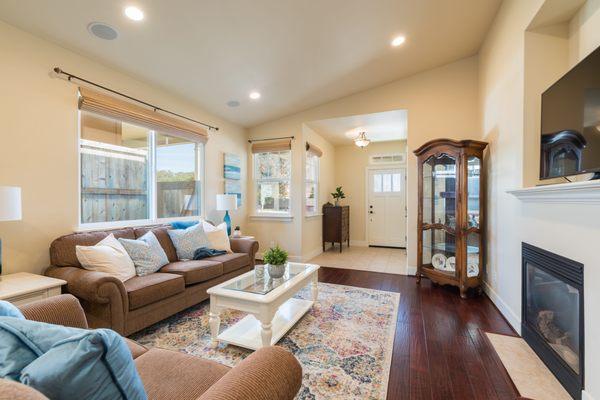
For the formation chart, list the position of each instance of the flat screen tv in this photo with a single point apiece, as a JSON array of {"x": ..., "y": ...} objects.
[{"x": 570, "y": 140}]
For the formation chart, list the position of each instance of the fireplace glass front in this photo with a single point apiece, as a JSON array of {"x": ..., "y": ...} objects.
[{"x": 553, "y": 312}]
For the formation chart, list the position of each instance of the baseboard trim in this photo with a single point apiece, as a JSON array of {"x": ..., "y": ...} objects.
[
  {"x": 359, "y": 243},
  {"x": 312, "y": 254},
  {"x": 411, "y": 270},
  {"x": 513, "y": 319},
  {"x": 259, "y": 256},
  {"x": 586, "y": 396}
]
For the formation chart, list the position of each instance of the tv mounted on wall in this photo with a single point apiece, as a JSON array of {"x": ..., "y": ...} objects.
[{"x": 570, "y": 137}]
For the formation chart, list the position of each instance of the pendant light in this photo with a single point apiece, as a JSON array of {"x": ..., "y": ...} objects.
[{"x": 362, "y": 141}]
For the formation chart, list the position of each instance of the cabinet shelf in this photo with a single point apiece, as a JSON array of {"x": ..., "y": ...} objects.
[{"x": 451, "y": 210}]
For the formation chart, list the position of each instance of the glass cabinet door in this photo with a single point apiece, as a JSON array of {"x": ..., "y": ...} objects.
[
  {"x": 439, "y": 213},
  {"x": 472, "y": 225}
]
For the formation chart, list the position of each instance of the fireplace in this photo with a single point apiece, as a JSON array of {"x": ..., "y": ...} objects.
[{"x": 552, "y": 314}]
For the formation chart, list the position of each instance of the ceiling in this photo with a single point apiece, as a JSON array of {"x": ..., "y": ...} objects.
[
  {"x": 297, "y": 53},
  {"x": 379, "y": 127}
]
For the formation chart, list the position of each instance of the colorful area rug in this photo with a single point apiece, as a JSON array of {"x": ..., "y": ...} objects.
[{"x": 344, "y": 345}]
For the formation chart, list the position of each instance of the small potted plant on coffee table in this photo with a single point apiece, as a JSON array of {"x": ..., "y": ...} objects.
[{"x": 276, "y": 259}]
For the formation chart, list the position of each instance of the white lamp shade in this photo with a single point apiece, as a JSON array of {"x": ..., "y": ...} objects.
[
  {"x": 226, "y": 202},
  {"x": 10, "y": 203}
]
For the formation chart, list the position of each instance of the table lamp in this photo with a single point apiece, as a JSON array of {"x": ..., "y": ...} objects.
[
  {"x": 10, "y": 208},
  {"x": 226, "y": 202}
]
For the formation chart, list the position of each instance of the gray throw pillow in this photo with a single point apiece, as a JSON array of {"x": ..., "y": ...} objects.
[
  {"x": 146, "y": 252},
  {"x": 186, "y": 241}
]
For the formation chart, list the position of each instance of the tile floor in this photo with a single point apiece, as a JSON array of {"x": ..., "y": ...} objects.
[{"x": 374, "y": 259}]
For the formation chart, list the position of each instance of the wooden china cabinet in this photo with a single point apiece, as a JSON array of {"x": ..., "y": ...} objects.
[{"x": 451, "y": 219}]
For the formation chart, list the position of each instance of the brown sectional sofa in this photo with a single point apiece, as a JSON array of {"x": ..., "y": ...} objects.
[
  {"x": 271, "y": 373},
  {"x": 141, "y": 301}
]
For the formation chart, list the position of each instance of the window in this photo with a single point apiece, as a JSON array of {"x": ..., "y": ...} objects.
[
  {"x": 131, "y": 173},
  {"x": 312, "y": 184},
  {"x": 387, "y": 182},
  {"x": 272, "y": 176}
]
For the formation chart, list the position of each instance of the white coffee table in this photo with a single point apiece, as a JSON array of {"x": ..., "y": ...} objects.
[{"x": 272, "y": 309}]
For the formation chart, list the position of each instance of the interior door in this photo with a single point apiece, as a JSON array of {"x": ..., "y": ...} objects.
[{"x": 386, "y": 207}]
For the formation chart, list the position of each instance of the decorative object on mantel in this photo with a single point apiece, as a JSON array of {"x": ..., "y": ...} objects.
[
  {"x": 10, "y": 208},
  {"x": 338, "y": 195},
  {"x": 227, "y": 202},
  {"x": 585, "y": 192},
  {"x": 451, "y": 215},
  {"x": 237, "y": 232}
]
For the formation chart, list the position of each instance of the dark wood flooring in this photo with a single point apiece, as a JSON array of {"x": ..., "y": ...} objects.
[{"x": 440, "y": 351}]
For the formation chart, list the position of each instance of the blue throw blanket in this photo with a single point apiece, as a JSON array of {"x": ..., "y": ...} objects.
[{"x": 205, "y": 252}]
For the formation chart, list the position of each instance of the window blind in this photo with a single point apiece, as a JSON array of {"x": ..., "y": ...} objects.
[
  {"x": 99, "y": 103},
  {"x": 311, "y": 148},
  {"x": 272, "y": 145}
]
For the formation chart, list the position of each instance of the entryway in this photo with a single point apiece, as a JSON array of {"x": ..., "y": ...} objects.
[{"x": 386, "y": 207}]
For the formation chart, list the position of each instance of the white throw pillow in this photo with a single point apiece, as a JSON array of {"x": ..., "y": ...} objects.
[
  {"x": 217, "y": 236},
  {"x": 107, "y": 256}
]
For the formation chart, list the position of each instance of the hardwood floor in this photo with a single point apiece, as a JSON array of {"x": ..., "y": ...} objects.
[{"x": 440, "y": 350}]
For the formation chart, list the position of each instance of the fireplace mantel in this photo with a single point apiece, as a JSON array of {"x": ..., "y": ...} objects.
[{"x": 587, "y": 192}]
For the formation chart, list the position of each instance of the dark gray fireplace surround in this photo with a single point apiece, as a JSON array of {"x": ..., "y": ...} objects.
[{"x": 552, "y": 314}]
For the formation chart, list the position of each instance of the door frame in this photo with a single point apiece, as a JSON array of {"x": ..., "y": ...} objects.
[{"x": 370, "y": 168}]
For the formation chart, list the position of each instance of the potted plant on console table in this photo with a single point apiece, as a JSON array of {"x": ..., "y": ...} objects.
[{"x": 276, "y": 259}]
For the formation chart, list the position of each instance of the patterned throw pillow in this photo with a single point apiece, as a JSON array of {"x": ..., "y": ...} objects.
[
  {"x": 147, "y": 254},
  {"x": 186, "y": 241}
]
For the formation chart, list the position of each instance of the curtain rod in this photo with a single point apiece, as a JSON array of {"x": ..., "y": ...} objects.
[
  {"x": 275, "y": 138},
  {"x": 69, "y": 76}
]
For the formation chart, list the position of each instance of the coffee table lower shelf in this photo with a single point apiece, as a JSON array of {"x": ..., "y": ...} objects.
[{"x": 246, "y": 332}]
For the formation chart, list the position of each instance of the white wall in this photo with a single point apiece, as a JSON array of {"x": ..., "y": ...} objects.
[
  {"x": 515, "y": 67},
  {"x": 38, "y": 141}
]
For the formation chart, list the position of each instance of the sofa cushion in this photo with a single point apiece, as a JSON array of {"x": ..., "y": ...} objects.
[
  {"x": 195, "y": 271},
  {"x": 146, "y": 252},
  {"x": 172, "y": 375},
  {"x": 163, "y": 238},
  {"x": 186, "y": 241},
  {"x": 231, "y": 262},
  {"x": 62, "y": 250},
  {"x": 148, "y": 289}
]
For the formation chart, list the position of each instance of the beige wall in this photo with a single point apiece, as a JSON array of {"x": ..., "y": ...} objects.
[
  {"x": 516, "y": 65},
  {"x": 441, "y": 102},
  {"x": 350, "y": 172},
  {"x": 38, "y": 148}
]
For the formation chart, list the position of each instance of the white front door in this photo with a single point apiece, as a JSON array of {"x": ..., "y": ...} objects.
[{"x": 386, "y": 207}]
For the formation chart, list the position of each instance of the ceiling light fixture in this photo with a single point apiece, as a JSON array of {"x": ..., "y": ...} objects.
[
  {"x": 398, "y": 40},
  {"x": 362, "y": 141},
  {"x": 254, "y": 95},
  {"x": 134, "y": 13}
]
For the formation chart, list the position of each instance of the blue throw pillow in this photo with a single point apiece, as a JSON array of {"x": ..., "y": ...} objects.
[
  {"x": 183, "y": 224},
  {"x": 67, "y": 363},
  {"x": 186, "y": 241},
  {"x": 147, "y": 254},
  {"x": 10, "y": 310}
]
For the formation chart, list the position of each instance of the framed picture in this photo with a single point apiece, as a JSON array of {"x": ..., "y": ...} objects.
[
  {"x": 232, "y": 166},
  {"x": 234, "y": 187}
]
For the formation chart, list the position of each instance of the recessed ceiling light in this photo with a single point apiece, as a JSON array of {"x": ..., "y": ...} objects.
[
  {"x": 398, "y": 40},
  {"x": 134, "y": 13},
  {"x": 254, "y": 95}
]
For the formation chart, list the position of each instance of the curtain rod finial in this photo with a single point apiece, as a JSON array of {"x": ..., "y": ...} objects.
[{"x": 57, "y": 70}]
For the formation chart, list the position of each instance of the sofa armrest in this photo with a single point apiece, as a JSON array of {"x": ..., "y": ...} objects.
[
  {"x": 271, "y": 373},
  {"x": 92, "y": 286},
  {"x": 59, "y": 310},
  {"x": 11, "y": 390},
  {"x": 246, "y": 246}
]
